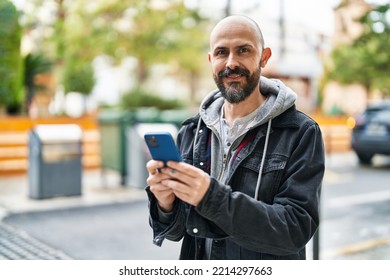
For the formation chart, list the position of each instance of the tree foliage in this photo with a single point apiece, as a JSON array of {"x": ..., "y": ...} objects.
[
  {"x": 11, "y": 66},
  {"x": 152, "y": 31},
  {"x": 366, "y": 60}
]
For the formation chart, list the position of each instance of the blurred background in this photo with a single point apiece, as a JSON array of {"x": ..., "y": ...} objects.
[{"x": 82, "y": 81}]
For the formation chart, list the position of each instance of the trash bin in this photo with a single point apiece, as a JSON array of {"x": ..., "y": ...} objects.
[
  {"x": 113, "y": 148},
  {"x": 138, "y": 154},
  {"x": 55, "y": 161}
]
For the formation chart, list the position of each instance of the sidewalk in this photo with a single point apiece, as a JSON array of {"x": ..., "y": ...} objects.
[{"x": 96, "y": 190}]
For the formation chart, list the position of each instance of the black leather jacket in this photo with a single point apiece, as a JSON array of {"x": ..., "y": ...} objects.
[{"x": 276, "y": 225}]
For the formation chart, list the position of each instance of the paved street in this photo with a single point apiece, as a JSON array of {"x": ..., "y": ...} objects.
[
  {"x": 118, "y": 231},
  {"x": 355, "y": 220},
  {"x": 107, "y": 221},
  {"x": 356, "y": 209}
]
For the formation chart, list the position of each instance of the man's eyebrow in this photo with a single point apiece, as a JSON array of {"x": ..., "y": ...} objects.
[
  {"x": 236, "y": 47},
  {"x": 244, "y": 46},
  {"x": 219, "y": 48}
]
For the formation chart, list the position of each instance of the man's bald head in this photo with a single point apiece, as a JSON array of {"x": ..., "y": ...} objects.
[{"x": 231, "y": 21}]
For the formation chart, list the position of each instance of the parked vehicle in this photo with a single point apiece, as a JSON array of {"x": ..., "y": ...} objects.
[{"x": 371, "y": 133}]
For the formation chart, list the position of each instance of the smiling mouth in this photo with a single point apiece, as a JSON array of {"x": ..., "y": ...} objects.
[{"x": 234, "y": 76}]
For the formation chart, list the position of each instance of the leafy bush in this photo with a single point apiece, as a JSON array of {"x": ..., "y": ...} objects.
[
  {"x": 78, "y": 78},
  {"x": 138, "y": 98}
]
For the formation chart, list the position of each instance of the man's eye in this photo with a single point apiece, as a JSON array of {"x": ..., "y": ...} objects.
[
  {"x": 244, "y": 50},
  {"x": 220, "y": 52}
]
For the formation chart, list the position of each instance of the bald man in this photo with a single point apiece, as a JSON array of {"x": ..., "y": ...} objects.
[{"x": 250, "y": 181}]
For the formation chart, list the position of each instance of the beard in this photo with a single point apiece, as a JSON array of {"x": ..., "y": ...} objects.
[{"x": 235, "y": 93}]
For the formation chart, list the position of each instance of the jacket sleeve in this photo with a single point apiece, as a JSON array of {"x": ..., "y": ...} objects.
[
  {"x": 285, "y": 226},
  {"x": 172, "y": 230}
]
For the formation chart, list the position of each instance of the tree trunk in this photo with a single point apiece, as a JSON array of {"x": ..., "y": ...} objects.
[
  {"x": 193, "y": 83},
  {"x": 142, "y": 72},
  {"x": 2, "y": 110}
]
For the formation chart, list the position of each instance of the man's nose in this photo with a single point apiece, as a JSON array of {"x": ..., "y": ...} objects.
[{"x": 232, "y": 62}]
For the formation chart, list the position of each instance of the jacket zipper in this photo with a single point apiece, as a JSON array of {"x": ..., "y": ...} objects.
[{"x": 224, "y": 161}]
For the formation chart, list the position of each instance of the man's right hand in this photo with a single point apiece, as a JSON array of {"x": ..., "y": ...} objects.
[{"x": 163, "y": 194}]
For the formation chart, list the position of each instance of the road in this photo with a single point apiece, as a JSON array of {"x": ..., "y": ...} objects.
[
  {"x": 355, "y": 209},
  {"x": 355, "y": 220}
]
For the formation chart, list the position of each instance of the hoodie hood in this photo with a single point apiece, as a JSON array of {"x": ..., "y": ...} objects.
[{"x": 279, "y": 99}]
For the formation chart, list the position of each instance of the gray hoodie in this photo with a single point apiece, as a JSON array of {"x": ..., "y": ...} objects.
[{"x": 279, "y": 99}]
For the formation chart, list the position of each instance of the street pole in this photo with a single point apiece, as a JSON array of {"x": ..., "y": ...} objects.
[
  {"x": 316, "y": 245},
  {"x": 316, "y": 241},
  {"x": 228, "y": 8},
  {"x": 282, "y": 29}
]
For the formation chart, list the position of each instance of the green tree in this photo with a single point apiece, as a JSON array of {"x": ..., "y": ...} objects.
[
  {"x": 11, "y": 66},
  {"x": 151, "y": 31},
  {"x": 366, "y": 60},
  {"x": 119, "y": 28}
]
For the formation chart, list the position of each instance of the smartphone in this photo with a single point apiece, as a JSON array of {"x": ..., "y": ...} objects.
[{"x": 162, "y": 146}]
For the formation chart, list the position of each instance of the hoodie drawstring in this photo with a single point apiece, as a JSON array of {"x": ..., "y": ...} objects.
[
  {"x": 263, "y": 159},
  {"x": 196, "y": 137}
]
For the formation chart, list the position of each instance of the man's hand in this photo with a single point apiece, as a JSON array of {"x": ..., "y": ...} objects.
[
  {"x": 187, "y": 182},
  {"x": 163, "y": 193}
]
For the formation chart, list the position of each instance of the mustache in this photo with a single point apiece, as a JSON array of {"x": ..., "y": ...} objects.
[{"x": 227, "y": 72}]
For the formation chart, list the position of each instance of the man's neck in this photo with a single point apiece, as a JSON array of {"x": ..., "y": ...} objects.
[{"x": 244, "y": 108}]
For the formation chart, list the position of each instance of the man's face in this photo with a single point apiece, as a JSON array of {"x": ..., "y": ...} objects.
[
  {"x": 236, "y": 85},
  {"x": 236, "y": 60}
]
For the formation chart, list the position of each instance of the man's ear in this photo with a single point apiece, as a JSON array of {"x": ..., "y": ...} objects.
[{"x": 265, "y": 56}]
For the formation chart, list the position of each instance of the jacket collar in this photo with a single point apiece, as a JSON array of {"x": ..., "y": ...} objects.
[{"x": 287, "y": 119}]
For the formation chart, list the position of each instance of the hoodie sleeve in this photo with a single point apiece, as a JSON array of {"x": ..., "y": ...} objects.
[{"x": 286, "y": 225}]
